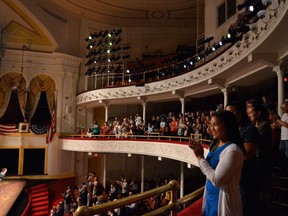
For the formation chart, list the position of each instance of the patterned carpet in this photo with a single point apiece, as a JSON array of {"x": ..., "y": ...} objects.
[{"x": 9, "y": 191}]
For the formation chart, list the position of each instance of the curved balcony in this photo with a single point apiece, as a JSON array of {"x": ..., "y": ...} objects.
[
  {"x": 175, "y": 148},
  {"x": 246, "y": 63}
]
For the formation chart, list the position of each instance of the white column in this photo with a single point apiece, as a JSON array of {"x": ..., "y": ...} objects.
[
  {"x": 225, "y": 93},
  {"x": 86, "y": 83},
  {"x": 182, "y": 100},
  {"x": 280, "y": 87},
  {"x": 104, "y": 169},
  {"x": 144, "y": 112},
  {"x": 182, "y": 180},
  {"x": 142, "y": 173},
  {"x": 106, "y": 112}
]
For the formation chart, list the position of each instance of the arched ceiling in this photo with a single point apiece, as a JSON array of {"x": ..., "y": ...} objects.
[{"x": 137, "y": 12}]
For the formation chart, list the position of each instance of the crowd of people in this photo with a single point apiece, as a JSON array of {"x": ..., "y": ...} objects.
[
  {"x": 169, "y": 124},
  {"x": 92, "y": 193},
  {"x": 239, "y": 164},
  {"x": 245, "y": 146}
]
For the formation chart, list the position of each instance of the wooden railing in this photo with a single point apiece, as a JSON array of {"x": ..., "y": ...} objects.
[{"x": 171, "y": 207}]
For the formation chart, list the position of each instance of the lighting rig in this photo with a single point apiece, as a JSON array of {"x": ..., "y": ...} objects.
[{"x": 107, "y": 50}]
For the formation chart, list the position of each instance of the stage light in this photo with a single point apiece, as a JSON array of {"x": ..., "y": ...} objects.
[
  {"x": 267, "y": 2},
  {"x": 126, "y": 56},
  {"x": 117, "y": 32},
  {"x": 213, "y": 48},
  {"x": 88, "y": 38},
  {"x": 243, "y": 5},
  {"x": 229, "y": 35},
  {"x": 128, "y": 71},
  {"x": 118, "y": 41},
  {"x": 90, "y": 71},
  {"x": 126, "y": 47},
  {"x": 261, "y": 14},
  {"x": 117, "y": 58},
  {"x": 251, "y": 8},
  {"x": 104, "y": 33},
  {"x": 207, "y": 40},
  {"x": 191, "y": 62},
  {"x": 90, "y": 45},
  {"x": 220, "y": 43},
  {"x": 99, "y": 42}
]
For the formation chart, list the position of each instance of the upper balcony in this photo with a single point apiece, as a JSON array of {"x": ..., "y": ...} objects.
[{"x": 244, "y": 63}]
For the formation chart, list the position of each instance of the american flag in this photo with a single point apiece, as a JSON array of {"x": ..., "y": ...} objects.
[
  {"x": 8, "y": 128},
  {"x": 39, "y": 129},
  {"x": 52, "y": 128}
]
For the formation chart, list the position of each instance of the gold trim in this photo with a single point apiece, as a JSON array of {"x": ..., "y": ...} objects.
[
  {"x": 70, "y": 175},
  {"x": 46, "y": 161},
  {"x": 24, "y": 35},
  {"x": 21, "y": 161}
]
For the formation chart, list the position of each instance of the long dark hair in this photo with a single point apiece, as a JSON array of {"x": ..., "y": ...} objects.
[
  {"x": 231, "y": 125},
  {"x": 258, "y": 108}
]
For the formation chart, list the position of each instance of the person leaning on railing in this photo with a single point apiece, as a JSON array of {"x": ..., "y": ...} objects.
[{"x": 222, "y": 166}]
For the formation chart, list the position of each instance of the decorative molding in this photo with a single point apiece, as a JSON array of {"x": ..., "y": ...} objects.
[
  {"x": 180, "y": 152},
  {"x": 15, "y": 32},
  {"x": 39, "y": 62}
]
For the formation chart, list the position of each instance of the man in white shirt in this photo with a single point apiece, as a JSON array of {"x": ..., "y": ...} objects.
[
  {"x": 283, "y": 124},
  {"x": 130, "y": 209}
]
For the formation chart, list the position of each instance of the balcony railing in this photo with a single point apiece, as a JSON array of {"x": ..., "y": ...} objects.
[
  {"x": 171, "y": 207},
  {"x": 151, "y": 136},
  {"x": 124, "y": 78}
]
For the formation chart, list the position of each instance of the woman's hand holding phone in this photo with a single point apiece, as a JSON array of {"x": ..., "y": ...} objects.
[{"x": 197, "y": 148}]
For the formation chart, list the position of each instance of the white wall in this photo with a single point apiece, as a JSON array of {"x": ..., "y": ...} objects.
[
  {"x": 211, "y": 28},
  {"x": 144, "y": 39}
]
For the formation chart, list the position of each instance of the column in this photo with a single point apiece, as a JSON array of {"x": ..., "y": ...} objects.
[
  {"x": 280, "y": 88},
  {"x": 143, "y": 101},
  {"x": 144, "y": 112},
  {"x": 182, "y": 180},
  {"x": 225, "y": 93},
  {"x": 106, "y": 113},
  {"x": 86, "y": 83},
  {"x": 182, "y": 100},
  {"x": 142, "y": 174},
  {"x": 106, "y": 107},
  {"x": 104, "y": 169}
]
